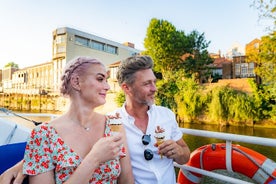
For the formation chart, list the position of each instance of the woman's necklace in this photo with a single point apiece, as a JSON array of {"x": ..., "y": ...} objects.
[{"x": 86, "y": 128}]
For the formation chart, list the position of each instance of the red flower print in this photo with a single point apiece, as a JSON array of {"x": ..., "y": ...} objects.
[
  {"x": 30, "y": 164},
  {"x": 71, "y": 161},
  {"x": 32, "y": 134},
  {"x": 123, "y": 149},
  {"x": 62, "y": 176},
  {"x": 37, "y": 158},
  {"x": 60, "y": 141},
  {"x": 47, "y": 150},
  {"x": 44, "y": 127},
  {"x": 107, "y": 169},
  {"x": 45, "y": 165},
  {"x": 37, "y": 142},
  {"x": 32, "y": 172}
]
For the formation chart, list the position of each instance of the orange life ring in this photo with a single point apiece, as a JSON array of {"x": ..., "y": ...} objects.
[{"x": 244, "y": 160}]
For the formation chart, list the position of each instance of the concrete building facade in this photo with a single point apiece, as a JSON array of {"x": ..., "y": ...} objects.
[{"x": 67, "y": 44}]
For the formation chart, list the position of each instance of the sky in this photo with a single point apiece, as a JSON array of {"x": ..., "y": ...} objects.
[{"x": 26, "y": 26}]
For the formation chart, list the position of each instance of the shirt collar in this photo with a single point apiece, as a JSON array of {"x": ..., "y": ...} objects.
[{"x": 125, "y": 112}]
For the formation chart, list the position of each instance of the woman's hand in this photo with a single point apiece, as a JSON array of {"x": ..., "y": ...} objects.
[
  {"x": 106, "y": 148},
  {"x": 13, "y": 175}
]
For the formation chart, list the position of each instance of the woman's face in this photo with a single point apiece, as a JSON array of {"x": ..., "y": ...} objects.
[{"x": 93, "y": 85}]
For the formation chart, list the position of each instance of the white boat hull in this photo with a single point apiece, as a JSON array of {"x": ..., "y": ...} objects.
[{"x": 11, "y": 132}]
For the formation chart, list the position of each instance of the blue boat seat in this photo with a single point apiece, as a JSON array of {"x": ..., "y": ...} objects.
[{"x": 10, "y": 154}]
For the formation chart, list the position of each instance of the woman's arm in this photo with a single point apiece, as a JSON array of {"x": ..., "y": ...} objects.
[
  {"x": 126, "y": 175},
  {"x": 43, "y": 178}
]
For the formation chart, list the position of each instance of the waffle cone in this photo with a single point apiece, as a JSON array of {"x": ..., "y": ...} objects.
[
  {"x": 158, "y": 142},
  {"x": 115, "y": 128}
]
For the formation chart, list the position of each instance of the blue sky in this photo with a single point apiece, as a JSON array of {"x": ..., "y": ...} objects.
[{"x": 26, "y": 25}]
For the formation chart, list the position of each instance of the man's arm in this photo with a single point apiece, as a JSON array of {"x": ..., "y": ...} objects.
[{"x": 13, "y": 175}]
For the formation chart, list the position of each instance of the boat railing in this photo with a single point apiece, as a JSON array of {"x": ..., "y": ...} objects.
[
  {"x": 228, "y": 138},
  {"x": 26, "y": 116}
]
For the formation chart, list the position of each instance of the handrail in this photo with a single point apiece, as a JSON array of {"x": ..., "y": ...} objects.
[
  {"x": 212, "y": 174},
  {"x": 231, "y": 137},
  {"x": 228, "y": 137}
]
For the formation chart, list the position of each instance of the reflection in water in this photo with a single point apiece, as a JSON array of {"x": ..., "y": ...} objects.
[{"x": 195, "y": 142}]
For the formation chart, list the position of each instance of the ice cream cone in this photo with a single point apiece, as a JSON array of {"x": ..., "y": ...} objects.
[
  {"x": 115, "y": 127},
  {"x": 159, "y": 141},
  {"x": 159, "y": 136},
  {"x": 115, "y": 123}
]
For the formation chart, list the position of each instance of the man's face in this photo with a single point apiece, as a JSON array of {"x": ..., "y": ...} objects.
[{"x": 143, "y": 89}]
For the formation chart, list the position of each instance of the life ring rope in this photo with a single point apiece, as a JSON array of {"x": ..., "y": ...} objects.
[{"x": 263, "y": 167}]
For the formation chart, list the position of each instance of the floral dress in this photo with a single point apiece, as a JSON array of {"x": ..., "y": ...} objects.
[{"x": 45, "y": 151}]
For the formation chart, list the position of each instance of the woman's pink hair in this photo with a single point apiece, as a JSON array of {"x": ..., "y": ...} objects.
[{"x": 77, "y": 66}]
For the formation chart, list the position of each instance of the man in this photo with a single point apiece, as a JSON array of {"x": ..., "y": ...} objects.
[
  {"x": 141, "y": 118},
  {"x": 150, "y": 164}
]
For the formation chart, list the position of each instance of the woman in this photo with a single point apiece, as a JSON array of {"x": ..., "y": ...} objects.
[{"x": 77, "y": 147}]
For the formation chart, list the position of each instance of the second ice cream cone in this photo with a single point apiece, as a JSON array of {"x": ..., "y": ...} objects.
[{"x": 159, "y": 136}]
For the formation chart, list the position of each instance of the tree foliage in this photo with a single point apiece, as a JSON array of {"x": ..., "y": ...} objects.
[
  {"x": 229, "y": 105},
  {"x": 197, "y": 61},
  {"x": 267, "y": 9},
  {"x": 190, "y": 99},
  {"x": 176, "y": 56},
  {"x": 165, "y": 45},
  {"x": 11, "y": 64},
  {"x": 172, "y": 50}
]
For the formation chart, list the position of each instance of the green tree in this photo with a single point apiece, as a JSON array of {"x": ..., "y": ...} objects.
[
  {"x": 267, "y": 9},
  {"x": 190, "y": 99},
  {"x": 173, "y": 52},
  {"x": 165, "y": 45},
  {"x": 11, "y": 64},
  {"x": 197, "y": 60},
  {"x": 265, "y": 58}
]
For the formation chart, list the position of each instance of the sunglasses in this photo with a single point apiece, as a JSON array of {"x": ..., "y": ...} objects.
[{"x": 148, "y": 154}]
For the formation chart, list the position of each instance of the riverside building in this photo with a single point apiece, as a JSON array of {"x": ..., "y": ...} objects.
[{"x": 43, "y": 80}]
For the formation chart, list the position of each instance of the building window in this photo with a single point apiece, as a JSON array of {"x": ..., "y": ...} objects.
[
  {"x": 111, "y": 49},
  {"x": 97, "y": 45},
  {"x": 237, "y": 70},
  {"x": 60, "y": 39},
  {"x": 81, "y": 41},
  {"x": 60, "y": 49}
]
